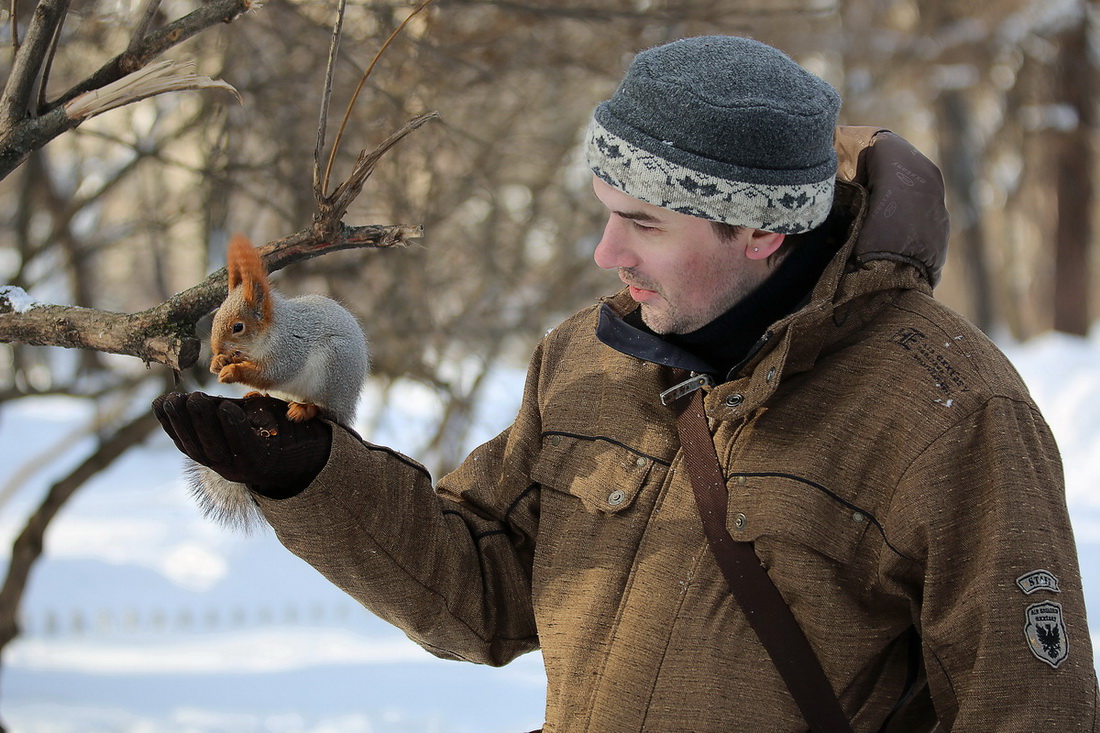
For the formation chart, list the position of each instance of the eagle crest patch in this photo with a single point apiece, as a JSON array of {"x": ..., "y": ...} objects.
[{"x": 1045, "y": 631}]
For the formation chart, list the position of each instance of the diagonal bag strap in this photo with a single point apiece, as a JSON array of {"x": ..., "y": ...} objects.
[{"x": 764, "y": 607}]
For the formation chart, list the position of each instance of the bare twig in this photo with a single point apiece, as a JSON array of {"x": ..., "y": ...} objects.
[
  {"x": 148, "y": 13},
  {"x": 47, "y": 67},
  {"x": 362, "y": 82},
  {"x": 333, "y": 208},
  {"x": 15, "y": 102},
  {"x": 326, "y": 101},
  {"x": 13, "y": 17}
]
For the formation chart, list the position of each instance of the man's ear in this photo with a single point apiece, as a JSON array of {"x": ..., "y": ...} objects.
[{"x": 762, "y": 244}]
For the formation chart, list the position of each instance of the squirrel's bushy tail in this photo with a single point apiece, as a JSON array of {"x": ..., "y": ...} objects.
[{"x": 226, "y": 502}]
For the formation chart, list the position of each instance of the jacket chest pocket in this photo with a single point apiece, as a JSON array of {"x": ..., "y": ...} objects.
[
  {"x": 605, "y": 476},
  {"x": 775, "y": 511}
]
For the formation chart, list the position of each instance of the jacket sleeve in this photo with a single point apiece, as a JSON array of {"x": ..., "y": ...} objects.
[
  {"x": 992, "y": 576},
  {"x": 451, "y": 566}
]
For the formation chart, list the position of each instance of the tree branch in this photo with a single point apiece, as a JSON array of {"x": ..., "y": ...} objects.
[
  {"x": 15, "y": 103},
  {"x": 167, "y": 76},
  {"x": 154, "y": 44},
  {"x": 166, "y": 333},
  {"x": 21, "y": 132}
]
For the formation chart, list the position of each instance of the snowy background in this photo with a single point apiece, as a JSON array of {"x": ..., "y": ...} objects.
[{"x": 144, "y": 618}]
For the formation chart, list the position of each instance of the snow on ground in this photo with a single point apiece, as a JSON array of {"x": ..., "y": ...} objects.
[{"x": 145, "y": 618}]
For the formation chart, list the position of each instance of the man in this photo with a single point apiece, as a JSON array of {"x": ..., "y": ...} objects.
[{"x": 883, "y": 458}]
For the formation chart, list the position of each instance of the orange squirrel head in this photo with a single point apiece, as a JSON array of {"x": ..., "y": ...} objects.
[{"x": 240, "y": 324}]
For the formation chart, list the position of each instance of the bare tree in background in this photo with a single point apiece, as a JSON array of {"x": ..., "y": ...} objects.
[
  {"x": 985, "y": 72},
  {"x": 1075, "y": 160}
]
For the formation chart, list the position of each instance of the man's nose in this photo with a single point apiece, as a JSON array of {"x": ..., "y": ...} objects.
[{"x": 613, "y": 250}]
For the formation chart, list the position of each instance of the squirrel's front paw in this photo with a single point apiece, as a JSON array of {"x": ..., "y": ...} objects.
[
  {"x": 218, "y": 363},
  {"x": 231, "y": 373},
  {"x": 221, "y": 361}
]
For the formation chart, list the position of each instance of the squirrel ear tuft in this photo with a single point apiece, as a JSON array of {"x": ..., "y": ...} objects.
[
  {"x": 241, "y": 257},
  {"x": 246, "y": 270}
]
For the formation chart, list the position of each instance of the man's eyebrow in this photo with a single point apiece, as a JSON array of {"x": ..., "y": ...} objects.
[{"x": 641, "y": 216}]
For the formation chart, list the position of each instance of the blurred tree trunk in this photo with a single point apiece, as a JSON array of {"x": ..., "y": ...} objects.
[
  {"x": 1074, "y": 162},
  {"x": 961, "y": 163}
]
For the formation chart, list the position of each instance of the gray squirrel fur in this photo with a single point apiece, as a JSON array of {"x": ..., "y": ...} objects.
[{"x": 309, "y": 351}]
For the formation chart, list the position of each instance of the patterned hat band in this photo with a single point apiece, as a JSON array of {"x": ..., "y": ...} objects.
[{"x": 786, "y": 209}]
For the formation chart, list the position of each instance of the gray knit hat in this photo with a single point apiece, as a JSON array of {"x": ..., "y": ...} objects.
[{"x": 722, "y": 128}]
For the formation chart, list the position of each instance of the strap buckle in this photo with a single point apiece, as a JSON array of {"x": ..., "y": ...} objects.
[{"x": 686, "y": 387}]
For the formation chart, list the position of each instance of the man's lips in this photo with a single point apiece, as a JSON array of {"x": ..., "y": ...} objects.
[{"x": 639, "y": 294}]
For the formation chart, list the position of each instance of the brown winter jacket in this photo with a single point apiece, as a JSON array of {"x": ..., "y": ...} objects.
[{"x": 894, "y": 475}]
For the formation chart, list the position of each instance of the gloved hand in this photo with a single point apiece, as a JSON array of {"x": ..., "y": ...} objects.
[{"x": 247, "y": 440}]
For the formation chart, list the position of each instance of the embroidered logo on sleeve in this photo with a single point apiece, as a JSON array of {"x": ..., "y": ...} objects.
[
  {"x": 1045, "y": 631},
  {"x": 1038, "y": 580}
]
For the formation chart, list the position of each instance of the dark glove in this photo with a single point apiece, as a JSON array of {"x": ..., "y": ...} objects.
[{"x": 248, "y": 440}]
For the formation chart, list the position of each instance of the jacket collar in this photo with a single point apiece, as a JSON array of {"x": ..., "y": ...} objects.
[
  {"x": 613, "y": 330},
  {"x": 802, "y": 334}
]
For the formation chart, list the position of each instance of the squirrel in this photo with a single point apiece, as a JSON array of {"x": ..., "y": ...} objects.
[{"x": 309, "y": 351}]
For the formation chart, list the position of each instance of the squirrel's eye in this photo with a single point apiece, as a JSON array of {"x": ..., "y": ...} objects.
[{"x": 238, "y": 327}]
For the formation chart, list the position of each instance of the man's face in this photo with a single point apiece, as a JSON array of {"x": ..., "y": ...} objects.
[{"x": 678, "y": 268}]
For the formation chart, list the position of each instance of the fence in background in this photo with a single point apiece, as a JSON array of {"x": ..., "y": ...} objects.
[{"x": 68, "y": 623}]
